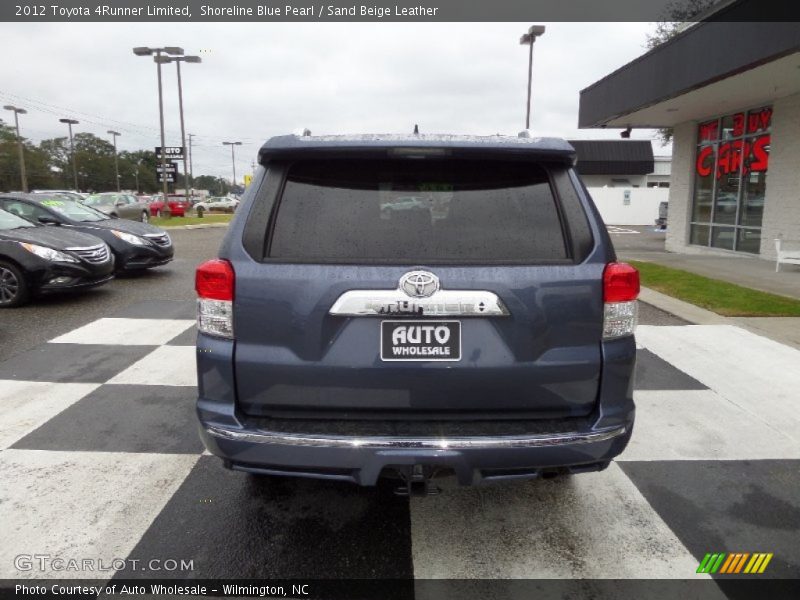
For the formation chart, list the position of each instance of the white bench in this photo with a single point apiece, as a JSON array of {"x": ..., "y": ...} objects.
[{"x": 788, "y": 253}]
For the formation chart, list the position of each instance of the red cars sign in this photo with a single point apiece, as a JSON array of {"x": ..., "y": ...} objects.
[{"x": 752, "y": 147}]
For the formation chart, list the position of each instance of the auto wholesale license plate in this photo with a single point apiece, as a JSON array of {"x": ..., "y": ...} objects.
[{"x": 420, "y": 340}]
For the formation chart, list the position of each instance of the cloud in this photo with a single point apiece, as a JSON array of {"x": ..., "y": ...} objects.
[{"x": 259, "y": 80}]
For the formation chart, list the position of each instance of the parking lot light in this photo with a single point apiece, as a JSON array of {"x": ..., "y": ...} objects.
[
  {"x": 114, "y": 135},
  {"x": 146, "y": 51},
  {"x": 528, "y": 39},
  {"x": 70, "y": 123},
  {"x": 178, "y": 60},
  {"x": 233, "y": 157},
  {"x": 23, "y": 177}
]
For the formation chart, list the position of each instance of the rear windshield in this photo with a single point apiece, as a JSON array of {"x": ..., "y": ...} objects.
[{"x": 417, "y": 211}]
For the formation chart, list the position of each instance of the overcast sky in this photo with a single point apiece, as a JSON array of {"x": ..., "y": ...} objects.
[{"x": 258, "y": 80}]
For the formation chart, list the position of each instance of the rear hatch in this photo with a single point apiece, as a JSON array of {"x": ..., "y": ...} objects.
[{"x": 476, "y": 267}]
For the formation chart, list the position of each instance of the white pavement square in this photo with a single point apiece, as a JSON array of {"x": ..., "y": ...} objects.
[
  {"x": 701, "y": 425},
  {"x": 126, "y": 332},
  {"x": 166, "y": 365},
  {"x": 758, "y": 375},
  {"x": 77, "y": 505},
  {"x": 26, "y": 405},
  {"x": 594, "y": 525}
]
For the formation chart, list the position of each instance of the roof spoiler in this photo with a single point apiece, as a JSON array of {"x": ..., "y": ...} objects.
[{"x": 418, "y": 146}]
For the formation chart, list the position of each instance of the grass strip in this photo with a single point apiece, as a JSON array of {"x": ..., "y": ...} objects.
[
  {"x": 721, "y": 297},
  {"x": 191, "y": 220}
]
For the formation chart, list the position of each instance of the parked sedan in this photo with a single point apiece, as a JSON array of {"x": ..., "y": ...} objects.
[
  {"x": 217, "y": 204},
  {"x": 68, "y": 194},
  {"x": 177, "y": 206},
  {"x": 134, "y": 245},
  {"x": 38, "y": 260},
  {"x": 124, "y": 206}
]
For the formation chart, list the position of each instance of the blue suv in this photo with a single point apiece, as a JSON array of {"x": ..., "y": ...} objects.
[{"x": 482, "y": 330}]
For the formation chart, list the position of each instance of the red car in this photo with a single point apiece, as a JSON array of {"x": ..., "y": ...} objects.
[{"x": 177, "y": 206}]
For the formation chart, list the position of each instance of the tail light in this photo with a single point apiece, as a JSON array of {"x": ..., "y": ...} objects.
[
  {"x": 214, "y": 282},
  {"x": 620, "y": 290}
]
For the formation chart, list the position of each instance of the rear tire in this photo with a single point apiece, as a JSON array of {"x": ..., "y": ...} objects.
[
  {"x": 13, "y": 287},
  {"x": 158, "y": 213},
  {"x": 145, "y": 217},
  {"x": 200, "y": 211}
]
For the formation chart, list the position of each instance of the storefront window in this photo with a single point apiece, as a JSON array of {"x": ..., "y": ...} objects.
[{"x": 730, "y": 180}]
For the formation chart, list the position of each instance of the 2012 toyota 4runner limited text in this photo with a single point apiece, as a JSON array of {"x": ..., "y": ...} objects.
[{"x": 416, "y": 306}]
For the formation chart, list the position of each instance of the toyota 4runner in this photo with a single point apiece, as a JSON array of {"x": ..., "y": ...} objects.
[{"x": 416, "y": 306}]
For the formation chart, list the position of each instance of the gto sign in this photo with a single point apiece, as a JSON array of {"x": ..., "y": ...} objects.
[{"x": 753, "y": 149}]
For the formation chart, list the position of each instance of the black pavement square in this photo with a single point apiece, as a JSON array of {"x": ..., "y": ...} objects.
[
  {"x": 72, "y": 363},
  {"x": 654, "y": 373},
  {"x": 233, "y": 525},
  {"x": 158, "y": 309},
  {"x": 728, "y": 506},
  {"x": 187, "y": 338},
  {"x": 123, "y": 418}
]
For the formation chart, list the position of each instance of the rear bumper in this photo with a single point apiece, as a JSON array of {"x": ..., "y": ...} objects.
[
  {"x": 245, "y": 443},
  {"x": 362, "y": 460}
]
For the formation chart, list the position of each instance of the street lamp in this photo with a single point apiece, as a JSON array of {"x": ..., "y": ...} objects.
[
  {"x": 529, "y": 39},
  {"x": 70, "y": 123},
  {"x": 114, "y": 135},
  {"x": 23, "y": 176},
  {"x": 178, "y": 60},
  {"x": 145, "y": 51},
  {"x": 233, "y": 158}
]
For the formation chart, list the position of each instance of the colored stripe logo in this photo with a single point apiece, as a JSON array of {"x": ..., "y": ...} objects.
[{"x": 731, "y": 563}]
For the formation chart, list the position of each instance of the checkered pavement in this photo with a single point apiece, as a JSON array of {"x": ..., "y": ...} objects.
[{"x": 100, "y": 458}]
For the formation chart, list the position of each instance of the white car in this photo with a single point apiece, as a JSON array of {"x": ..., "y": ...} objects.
[{"x": 217, "y": 204}]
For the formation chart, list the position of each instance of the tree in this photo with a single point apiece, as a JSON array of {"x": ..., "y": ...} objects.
[
  {"x": 94, "y": 157},
  {"x": 676, "y": 13},
  {"x": 141, "y": 165},
  {"x": 37, "y": 165},
  {"x": 57, "y": 152},
  {"x": 216, "y": 185}
]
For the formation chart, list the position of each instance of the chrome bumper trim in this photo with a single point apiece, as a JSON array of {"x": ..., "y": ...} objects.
[
  {"x": 443, "y": 303},
  {"x": 457, "y": 443}
]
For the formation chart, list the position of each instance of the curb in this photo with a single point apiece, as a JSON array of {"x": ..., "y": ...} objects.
[
  {"x": 780, "y": 332},
  {"x": 679, "y": 308}
]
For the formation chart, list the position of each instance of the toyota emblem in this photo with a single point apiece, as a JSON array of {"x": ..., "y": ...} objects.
[{"x": 419, "y": 284}]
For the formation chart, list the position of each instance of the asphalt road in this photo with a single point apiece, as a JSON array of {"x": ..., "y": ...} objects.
[
  {"x": 101, "y": 458},
  {"x": 23, "y": 328}
]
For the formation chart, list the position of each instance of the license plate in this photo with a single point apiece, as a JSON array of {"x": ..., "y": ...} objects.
[{"x": 420, "y": 340}]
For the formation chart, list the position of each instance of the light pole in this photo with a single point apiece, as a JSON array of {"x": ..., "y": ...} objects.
[
  {"x": 23, "y": 176},
  {"x": 175, "y": 51},
  {"x": 191, "y": 172},
  {"x": 233, "y": 157},
  {"x": 70, "y": 123},
  {"x": 114, "y": 135},
  {"x": 178, "y": 60},
  {"x": 529, "y": 39}
]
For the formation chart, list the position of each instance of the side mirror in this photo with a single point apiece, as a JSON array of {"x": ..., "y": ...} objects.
[
  {"x": 119, "y": 204},
  {"x": 48, "y": 220}
]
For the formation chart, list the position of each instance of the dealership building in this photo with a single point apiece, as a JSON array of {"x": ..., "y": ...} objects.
[{"x": 730, "y": 91}]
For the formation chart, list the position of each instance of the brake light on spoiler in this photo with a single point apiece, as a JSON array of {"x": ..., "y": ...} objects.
[
  {"x": 214, "y": 283},
  {"x": 620, "y": 291}
]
